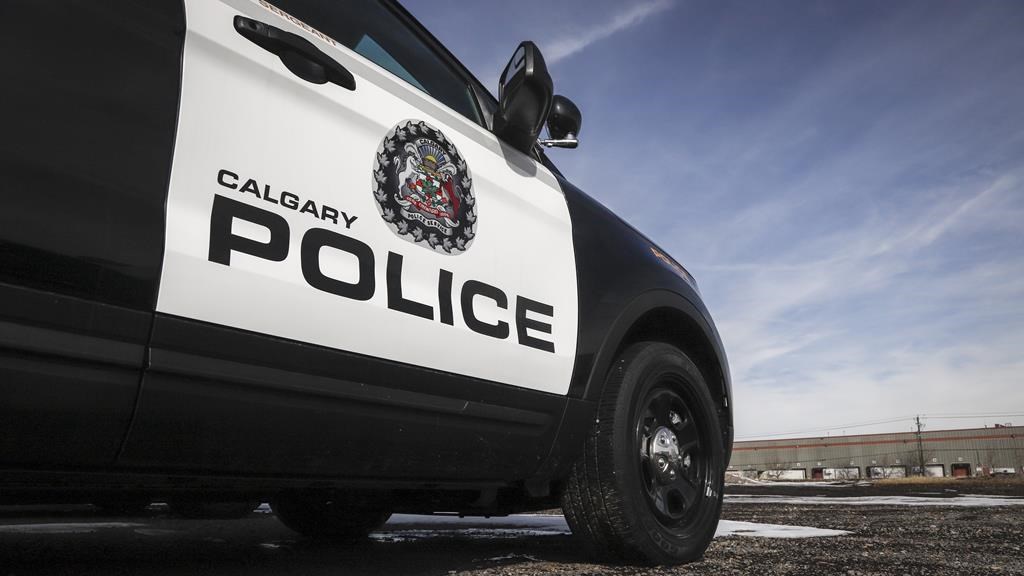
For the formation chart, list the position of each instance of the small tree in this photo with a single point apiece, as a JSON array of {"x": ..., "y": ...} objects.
[
  {"x": 889, "y": 467},
  {"x": 774, "y": 468},
  {"x": 919, "y": 459},
  {"x": 845, "y": 473}
]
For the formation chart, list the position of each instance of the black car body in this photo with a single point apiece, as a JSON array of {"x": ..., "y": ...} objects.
[{"x": 132, "y": 368}]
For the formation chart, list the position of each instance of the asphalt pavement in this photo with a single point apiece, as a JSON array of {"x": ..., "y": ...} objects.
[{"x": 80, "y": 540}]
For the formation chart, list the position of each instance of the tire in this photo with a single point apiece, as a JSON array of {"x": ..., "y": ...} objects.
[
  {"x": 648, "y": 486},
  {"x": 212, "y": 510},
  {"x": 345, "y": 517}
]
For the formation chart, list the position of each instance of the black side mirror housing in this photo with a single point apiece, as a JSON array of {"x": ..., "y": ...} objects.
[
  {"x": 565, "y": 118},
  {"x": 525, "y": 90}
]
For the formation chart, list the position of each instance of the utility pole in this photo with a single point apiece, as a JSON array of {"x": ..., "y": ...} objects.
[{"x": 920, "y": 446}]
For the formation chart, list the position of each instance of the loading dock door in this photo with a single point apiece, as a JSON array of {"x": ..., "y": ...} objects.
[
  {"x": 961, "y": 470},
  {"x": 851, "y": 473}
]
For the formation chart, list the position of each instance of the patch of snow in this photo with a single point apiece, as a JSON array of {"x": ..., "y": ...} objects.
[
  {"x": 542, "y": 522},
  {"x": 513, "y": 557},
  {"x": 64, "y": 528},
  {"x": 154, "y": 531},
  {"x": 393, "y": 537},
  {"x": 737, "y": 528},
  {"x": 406, "y": 528},
  {"x": 408, "y": 535},
  {"x": 970, "y": 501},
  {"x": 738, "y": 478},
  {"x": 813, "y": 484}
]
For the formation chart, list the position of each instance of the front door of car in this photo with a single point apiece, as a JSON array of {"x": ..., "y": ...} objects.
[{"x": 371, "y": 215}]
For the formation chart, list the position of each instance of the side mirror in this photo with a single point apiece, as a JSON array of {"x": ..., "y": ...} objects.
[
  {"x": 564, "y": 122},
  {"x": 524, "y": 98}
]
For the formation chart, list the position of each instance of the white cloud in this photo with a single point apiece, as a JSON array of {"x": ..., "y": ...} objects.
[
  {"x": 868, "y": 331},
  {"x": 564, "y": 47},
  {"x": 934, "y": 231}
]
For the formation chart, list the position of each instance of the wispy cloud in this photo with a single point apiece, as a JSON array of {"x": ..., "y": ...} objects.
[
  {"x": 879, "y": 274},
  {"x": 770, "y": 304},
  {"x": 963, "y": 212},
  {"x": 637, "y": 13},
  {"x": 847, "y": 184}
]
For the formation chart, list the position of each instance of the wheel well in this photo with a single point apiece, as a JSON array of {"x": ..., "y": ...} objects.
[{"x": 677, "y": 328}]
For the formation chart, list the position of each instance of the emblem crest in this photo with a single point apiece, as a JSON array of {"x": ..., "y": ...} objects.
[{"x": 424, "y": 189}]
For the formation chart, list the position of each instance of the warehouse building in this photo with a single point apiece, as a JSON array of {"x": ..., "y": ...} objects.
[{"x": 966, "y": 452}]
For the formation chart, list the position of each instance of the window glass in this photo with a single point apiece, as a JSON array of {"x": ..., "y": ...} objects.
[
  {"x": 373, "y": 51},
  {"x": 373, "y": 31}
]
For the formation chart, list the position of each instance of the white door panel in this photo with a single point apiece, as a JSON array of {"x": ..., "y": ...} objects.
[{"x": 242, "y": 112}]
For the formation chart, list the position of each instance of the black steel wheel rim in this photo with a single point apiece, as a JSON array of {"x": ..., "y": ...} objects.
[{"x": 672, "y": 456}]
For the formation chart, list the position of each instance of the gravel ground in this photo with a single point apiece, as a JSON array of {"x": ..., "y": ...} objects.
[{"x": 883, "y": 540}]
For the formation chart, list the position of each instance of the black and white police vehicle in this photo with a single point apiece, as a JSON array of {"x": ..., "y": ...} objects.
[{"x": 292, "y": 250}]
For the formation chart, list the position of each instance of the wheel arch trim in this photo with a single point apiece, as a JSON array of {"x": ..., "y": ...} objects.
[{"x": 666, "y": 316}]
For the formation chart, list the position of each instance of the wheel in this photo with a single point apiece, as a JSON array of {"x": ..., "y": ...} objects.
[
  {"x": 338, "y": 517},
  {"x": 648, "y": 486},
  {"x": 122, "y": 506},
  {"x": 208, "y": 510}
]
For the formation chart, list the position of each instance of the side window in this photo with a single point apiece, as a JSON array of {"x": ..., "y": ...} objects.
[{"x": 373, "y": 31}]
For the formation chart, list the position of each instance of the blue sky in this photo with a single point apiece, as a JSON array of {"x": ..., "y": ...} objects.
[{"x": 844, "y": 179}]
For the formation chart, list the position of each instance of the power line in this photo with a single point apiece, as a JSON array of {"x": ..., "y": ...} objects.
[
  {"x": 827, "y": 429},
  {"x": 910, "y": 418},
  {"x": 987, "y": 416},
  {"x": 973, "y": 414}
]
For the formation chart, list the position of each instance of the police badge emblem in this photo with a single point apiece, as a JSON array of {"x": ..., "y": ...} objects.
[{"x": 423, "y": 188}]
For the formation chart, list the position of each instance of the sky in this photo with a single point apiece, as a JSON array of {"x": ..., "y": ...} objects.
[{"x": 844, "y": 179}]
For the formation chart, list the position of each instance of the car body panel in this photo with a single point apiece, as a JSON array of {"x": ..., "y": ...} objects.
[
  {"x": 131, "y": 360},
  {"x": 319, "y": 142},
  {"x": 88, "y": 130}
]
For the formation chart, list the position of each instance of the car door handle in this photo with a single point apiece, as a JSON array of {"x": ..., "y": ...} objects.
[{"x": 299, "y": 55}]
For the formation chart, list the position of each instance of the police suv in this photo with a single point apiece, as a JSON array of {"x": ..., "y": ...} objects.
[{"x": 291, "y": 250}]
